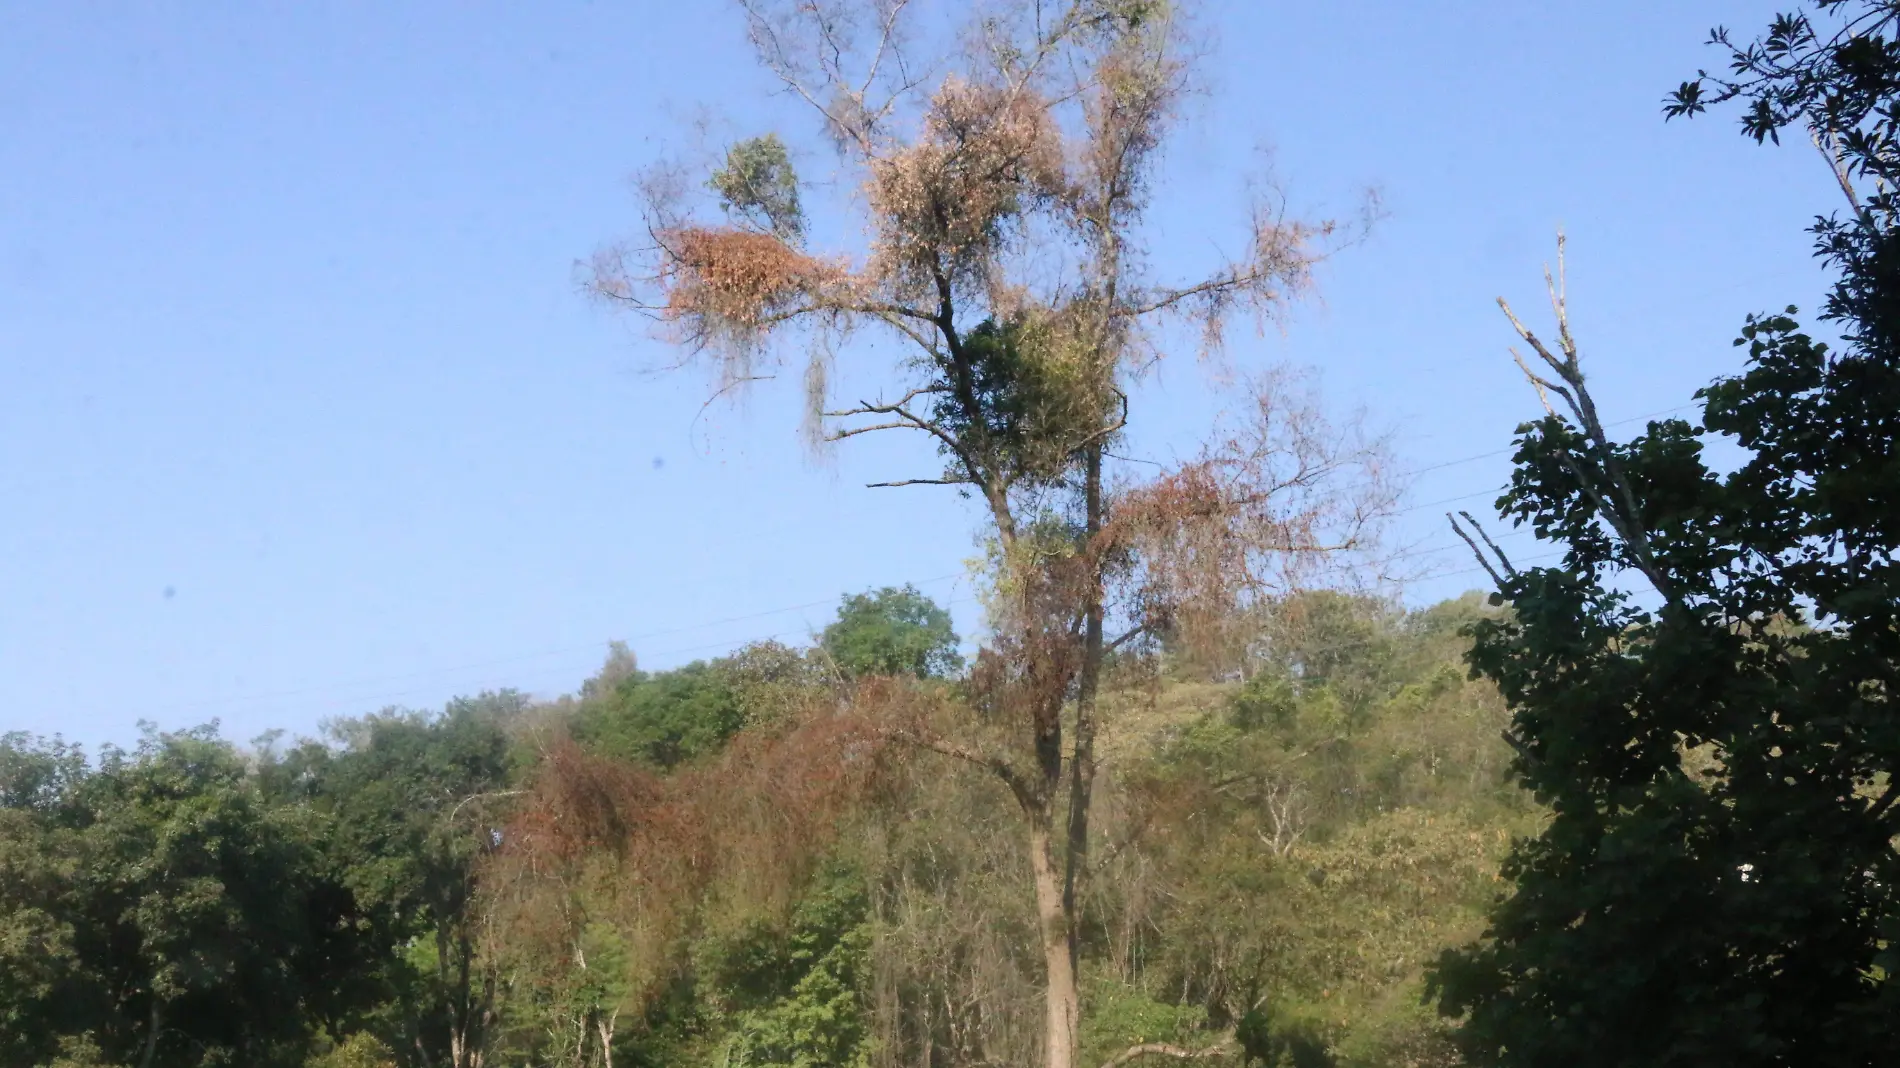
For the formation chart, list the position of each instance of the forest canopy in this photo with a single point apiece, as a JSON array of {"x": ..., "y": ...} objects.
[{"x": 675, "y": 868}]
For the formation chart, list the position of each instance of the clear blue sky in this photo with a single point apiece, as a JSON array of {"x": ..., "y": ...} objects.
[{"x": 301, "y": 413}]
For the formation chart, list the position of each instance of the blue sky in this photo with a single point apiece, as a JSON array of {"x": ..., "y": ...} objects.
[{"x": 302, "y": 414}]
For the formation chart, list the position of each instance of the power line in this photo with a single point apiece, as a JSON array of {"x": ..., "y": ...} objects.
[
  {"x": 1513, "y": 448},
  {"x": 1624, "y": 309},
  {"x": 1489, "y": 492},
  {"x": 498, "y": 661},
  {"x": 333, "y": 687},
  {"x": 1448, "y": 500},
  {"x": 381, "y": 699},
  {"x": 386, "y": 696}
]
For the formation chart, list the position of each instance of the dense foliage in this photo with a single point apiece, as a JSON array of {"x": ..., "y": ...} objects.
[
  {"x": 159, "y": 908},
  {"x": 1703, "y": 688},
  {"x": 892, "y": 632},
  {"x": 1280, "y": 855}
]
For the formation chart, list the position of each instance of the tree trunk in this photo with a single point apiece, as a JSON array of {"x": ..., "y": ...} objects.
[
  {"x": 478, "y": 1039},
  {"x": 605, "y": 1024},
  {"x": 1058, "y": 950},
  {"x": 1059, "y": 884},
  {"x": 151, "y": 1036},
  {"x": 457, "y": 1000},
  {"x": 1088, "y": 684},
  {"x": 468, "y": 1016}
]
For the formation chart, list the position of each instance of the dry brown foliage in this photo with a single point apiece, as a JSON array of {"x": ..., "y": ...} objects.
[
  {"x": 1015, "y": 185},
  {"x": 724, "y": 287},
  {"x": 1003, "y": 196},
  {"x": 986, "y": 154},
  {"x": 597, "y": 841},
  {"x": 957, "y": 972},
  {"x": 1285, "y": 500}
]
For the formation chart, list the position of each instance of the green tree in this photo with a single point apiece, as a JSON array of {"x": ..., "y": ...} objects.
[
  {"x": 892, "y": 631},
  {"x": 621, "y": 665},
  {"x": 1702, "y": 689},
  {"x": 39, "y": 857},
  {"x": 1318, "y": 834},
  {"x": 410, "y": 802},
  {"x": 360, "y": 1050},
  {"x": 662, "y": 718},
  {"x": 797, "y": 997},
  {"x": 757, "y": 184},
  {"x": 159, "y": 909}
]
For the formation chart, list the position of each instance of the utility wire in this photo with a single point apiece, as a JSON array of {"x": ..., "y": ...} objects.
[
  {"x": 514, "y": 659},
  {"x": 332, "y": 687}
]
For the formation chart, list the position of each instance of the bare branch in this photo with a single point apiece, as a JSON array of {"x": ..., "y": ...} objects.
[
  {"x": 729, "y": 387},
  {"x": 1886, "y": 801},
  {"x": 479, "y": 797},
  {"x": 770, "y": 44},
  {"x": 1542, "y": 385},
  {"x": 1169, "y": 299},
  {"x": 852, "y": 432},
  {"x": 1260, "y": 774},
  {"x": 1559, "y": 302},
  {"x": 1109, "y": 430},
  {"x": 907, "y": 419},
  {"x": 1824, "y": 143},
  {"x": 1163, "y": 1049},
  {"x": 991, "y": 762},
  {"x": 867, "y": 408},
  {"x": 1611, "y": 493},
  {"x": 895, "y": 320},
  {"x": 1483, "y": 560},
  {"x": 921, "y": 482},
  {"x": 1479, "y": 527},
  {"x": 885, "y": 43},
  {"x": 1518, "y": 747},
  {"x": 1128, "y": 636},
  {"x": 1564, "y": 368}
]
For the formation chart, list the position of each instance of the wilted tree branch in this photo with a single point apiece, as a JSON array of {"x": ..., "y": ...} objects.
[
  {"x": 993, "y": 763},
  {"x": 1223, "y": 1048},
  {"x": 920, "y": 482}
]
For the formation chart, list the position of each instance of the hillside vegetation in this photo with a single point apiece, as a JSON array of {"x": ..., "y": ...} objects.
[{"x": 730, "y": 863}]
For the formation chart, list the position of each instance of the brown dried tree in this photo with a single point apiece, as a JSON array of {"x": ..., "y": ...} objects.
[
  {"x": 1004, "y": 186},
  {"x": 603, "y": 853}
]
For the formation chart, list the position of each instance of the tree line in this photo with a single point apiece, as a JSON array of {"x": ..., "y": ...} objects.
[{"x": 725, "y": 864}]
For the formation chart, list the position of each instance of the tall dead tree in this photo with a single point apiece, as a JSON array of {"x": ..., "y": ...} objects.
[{"x": 1004, "y": 185}]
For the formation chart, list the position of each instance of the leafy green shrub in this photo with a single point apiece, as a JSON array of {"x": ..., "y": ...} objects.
[{"x": 360, "y": 1050}]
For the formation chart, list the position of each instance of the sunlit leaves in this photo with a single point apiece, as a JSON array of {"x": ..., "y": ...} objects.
[
  {"x": 1718, "y": 879},
  {"x": 757, "y": 183}
]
